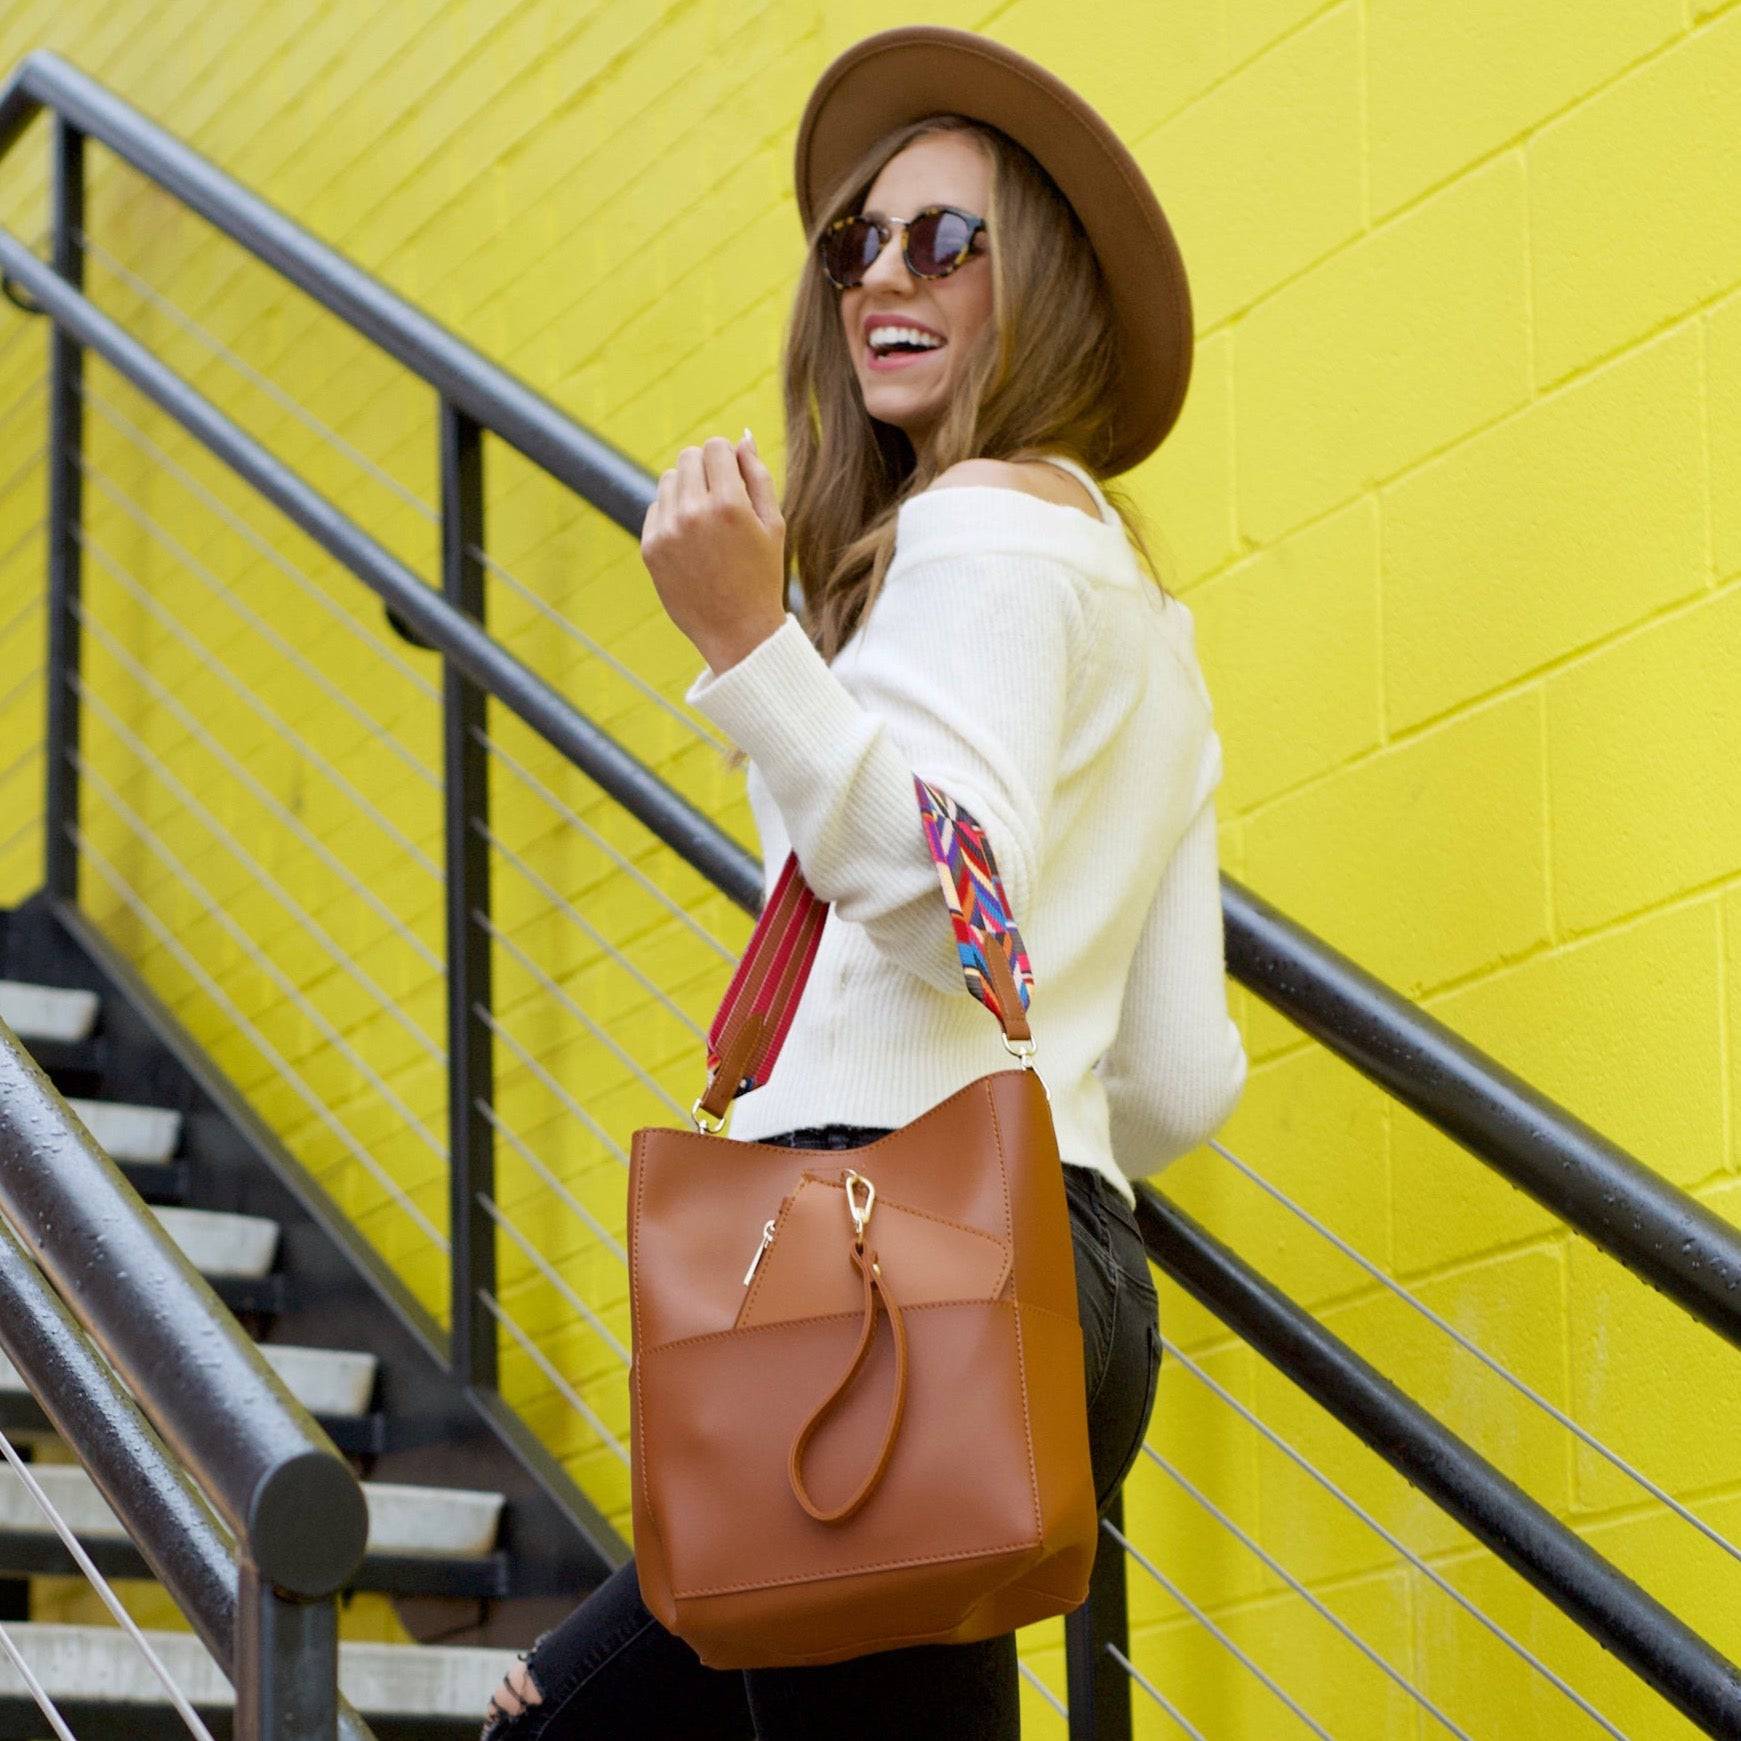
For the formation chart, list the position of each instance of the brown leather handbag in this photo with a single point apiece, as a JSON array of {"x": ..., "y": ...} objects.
[{"x": 810, "y": 1486}]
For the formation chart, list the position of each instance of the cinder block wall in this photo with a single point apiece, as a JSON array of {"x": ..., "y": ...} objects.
[{"x": 1454, "y": 502}]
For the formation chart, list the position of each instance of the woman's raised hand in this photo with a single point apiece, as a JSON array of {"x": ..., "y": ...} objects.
[{"x": 714, "y": 542}]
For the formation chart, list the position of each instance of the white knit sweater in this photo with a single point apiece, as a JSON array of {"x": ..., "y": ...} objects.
[{"x": 1019, "y": 659}]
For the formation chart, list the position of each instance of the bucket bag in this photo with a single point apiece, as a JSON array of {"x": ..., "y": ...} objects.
[{"x": 875, "y": 1434}]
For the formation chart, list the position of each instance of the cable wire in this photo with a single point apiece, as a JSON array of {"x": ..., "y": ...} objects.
[
  {"x": 1468, "y": 1345},
  {"x": 1392, "y": 1540},
  {"x": 109, "y": 1599},
  {"x": 271, "y": 1052}
]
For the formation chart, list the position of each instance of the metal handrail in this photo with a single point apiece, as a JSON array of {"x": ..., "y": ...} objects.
[
  {"x": 487, "y": 393},
  {"x": 1659, "y": 1231},
  {"x": 297, "y": 1524}
]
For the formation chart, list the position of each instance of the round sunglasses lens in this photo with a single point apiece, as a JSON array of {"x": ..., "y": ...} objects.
[
  {"x": 935, "y": 241},
  {"x": 848, "y": 251}
]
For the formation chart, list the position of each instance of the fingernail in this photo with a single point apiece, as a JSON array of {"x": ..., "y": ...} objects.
[{"x": 751, "y": 440}]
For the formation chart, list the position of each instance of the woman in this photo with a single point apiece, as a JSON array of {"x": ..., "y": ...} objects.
[{"x": 1016, "y": 655}]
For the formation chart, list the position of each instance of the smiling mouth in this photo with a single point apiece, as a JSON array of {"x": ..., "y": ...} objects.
[{"x": 896, "y": 359}]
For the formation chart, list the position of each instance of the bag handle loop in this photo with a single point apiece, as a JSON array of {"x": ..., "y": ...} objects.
[{"x": 872, "y": 1271}]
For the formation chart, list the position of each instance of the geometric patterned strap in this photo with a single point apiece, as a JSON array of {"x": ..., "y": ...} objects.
[
  {"x": 978, "y": 906},
  {"x": 756, "y": 1012}
]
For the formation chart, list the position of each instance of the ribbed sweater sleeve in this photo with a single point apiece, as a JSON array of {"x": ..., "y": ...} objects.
[
  {"x": 1177, "y": 1065},
  {"x": 959, "y": 675}
]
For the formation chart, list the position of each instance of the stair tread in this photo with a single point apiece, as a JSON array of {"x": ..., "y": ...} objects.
[
  {"x": 128, "y": 1131},
  {"x": 220, "y": 1242},
  {"x": 326, "y": 1381},
  {"x": 410, "y": 1521},
  {"x": 47, "y": 1012},
  {"x": 101, "y": 1664}
]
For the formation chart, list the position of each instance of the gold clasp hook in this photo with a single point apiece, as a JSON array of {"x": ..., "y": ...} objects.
[
  {"x": 1024, "y": 1050},
  {"x": 859, "y": 1216}
]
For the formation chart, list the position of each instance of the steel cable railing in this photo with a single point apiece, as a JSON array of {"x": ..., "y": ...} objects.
[
  {"x": 1470, "y": 1346},
  {"x": 373, "y": 469},
  {"x": 560, "y": 997},
  {"x": 1045, "y": 1692},
  {"x": 412, "y": 1121},
  {"x": 164, "y": 698},
  {"x": 561, "y": 1385},
  {"x": 287, "y": 1073},
  {"x": 1395, "y": 1542},
  {"x": 1659, "y": 1647},
  {"x": 382, "y": 734},
  {"x": 561, "y": 904},
  {"x": 1137, "y": 1677},
  {"x": 34, "y": 1687},
  {"x": 148, "y": 838},
  {"x": 561, "y": 1191},
  {"x": 1389, "y": 1670},
  {"x": 341, "y": 958},
  {"x": 363, "y": 806},
  {"x": 543, "y": 1265},
  {"x": 317, "y": 595},
  {"x": 623, "y": 866},
  {"x": 106, "y": 1593},
  {"x": 145, "y": 835},
  {"x": 1218, "y": 1633}
]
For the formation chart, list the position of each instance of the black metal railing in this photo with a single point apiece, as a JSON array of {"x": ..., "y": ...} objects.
[
  {"x": 1663, "y": 1234},
  {"x": 261, "y": 1576}
]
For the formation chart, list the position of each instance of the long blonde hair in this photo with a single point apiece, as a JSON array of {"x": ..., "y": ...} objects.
[{"x": 1040, "y": 377}]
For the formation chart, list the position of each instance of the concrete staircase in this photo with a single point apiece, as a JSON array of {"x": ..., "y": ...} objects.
[{"x": 435, "y": 1540}]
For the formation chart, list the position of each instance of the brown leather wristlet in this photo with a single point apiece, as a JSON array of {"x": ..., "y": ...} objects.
[{"x": 872, "y": 1272}]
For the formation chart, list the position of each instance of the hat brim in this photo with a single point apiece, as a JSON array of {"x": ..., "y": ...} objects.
[{"x": 902, "y": 74}]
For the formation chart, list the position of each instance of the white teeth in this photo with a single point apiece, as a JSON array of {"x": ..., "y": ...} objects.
[{"x": 884, "y": 336}]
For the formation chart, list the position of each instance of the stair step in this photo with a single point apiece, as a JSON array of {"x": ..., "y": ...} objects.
[
  {"x": 447, "y": 1523},
  {"x": 219, "y": 1243},
  {"x": 82, "y": 1666},
  {"x": 130, "y": 1133},
  {"x": 46, "y": 1012},
  {"x": 326, "y": 1381}
]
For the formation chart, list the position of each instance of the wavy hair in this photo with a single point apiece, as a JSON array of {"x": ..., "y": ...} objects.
[{"x": 1038, "y": 378}]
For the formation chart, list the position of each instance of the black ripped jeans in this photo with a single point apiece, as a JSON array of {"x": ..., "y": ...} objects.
[{"x": 611, "y": 1672}]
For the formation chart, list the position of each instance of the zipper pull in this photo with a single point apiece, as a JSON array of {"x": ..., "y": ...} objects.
[{"x": 767, "y": 1240}]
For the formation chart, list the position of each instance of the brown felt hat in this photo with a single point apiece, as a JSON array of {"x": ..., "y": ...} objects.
[{"x": 914, "y": 70}]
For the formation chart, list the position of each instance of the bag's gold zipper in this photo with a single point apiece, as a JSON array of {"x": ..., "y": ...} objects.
[
  {"x": 767, "y": 1240},
  {"x": 770, "y": 1228}
]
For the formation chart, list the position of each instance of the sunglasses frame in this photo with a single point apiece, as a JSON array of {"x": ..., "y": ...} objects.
[{"x": 885, "y": 229}]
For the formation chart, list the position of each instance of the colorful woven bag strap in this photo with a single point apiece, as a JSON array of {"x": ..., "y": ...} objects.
[{"x": 756, "y": 1013}]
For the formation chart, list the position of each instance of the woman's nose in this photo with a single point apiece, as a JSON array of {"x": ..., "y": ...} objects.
[{"x": 890, "y": 266}]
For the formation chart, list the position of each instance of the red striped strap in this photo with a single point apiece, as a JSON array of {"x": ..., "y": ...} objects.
[{"x": 756, "y": 1013}]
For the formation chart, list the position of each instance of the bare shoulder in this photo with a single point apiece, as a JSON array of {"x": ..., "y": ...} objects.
[{"x": 1032, "y": 477}]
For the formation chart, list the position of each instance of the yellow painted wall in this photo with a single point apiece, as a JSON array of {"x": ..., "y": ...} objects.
[{"x": 1456, "y": 503}]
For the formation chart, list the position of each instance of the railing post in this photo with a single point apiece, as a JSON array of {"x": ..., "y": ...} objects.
[
  {"x": 66, "y": 422},
  {"x": 471, "y": 1137},
  {"x": 286, "y": 1663},
  {"x": 1097, "y": 1689}
]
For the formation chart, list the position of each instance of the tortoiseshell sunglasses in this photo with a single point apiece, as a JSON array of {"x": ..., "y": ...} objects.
[{"x": 933, "y": 243}]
